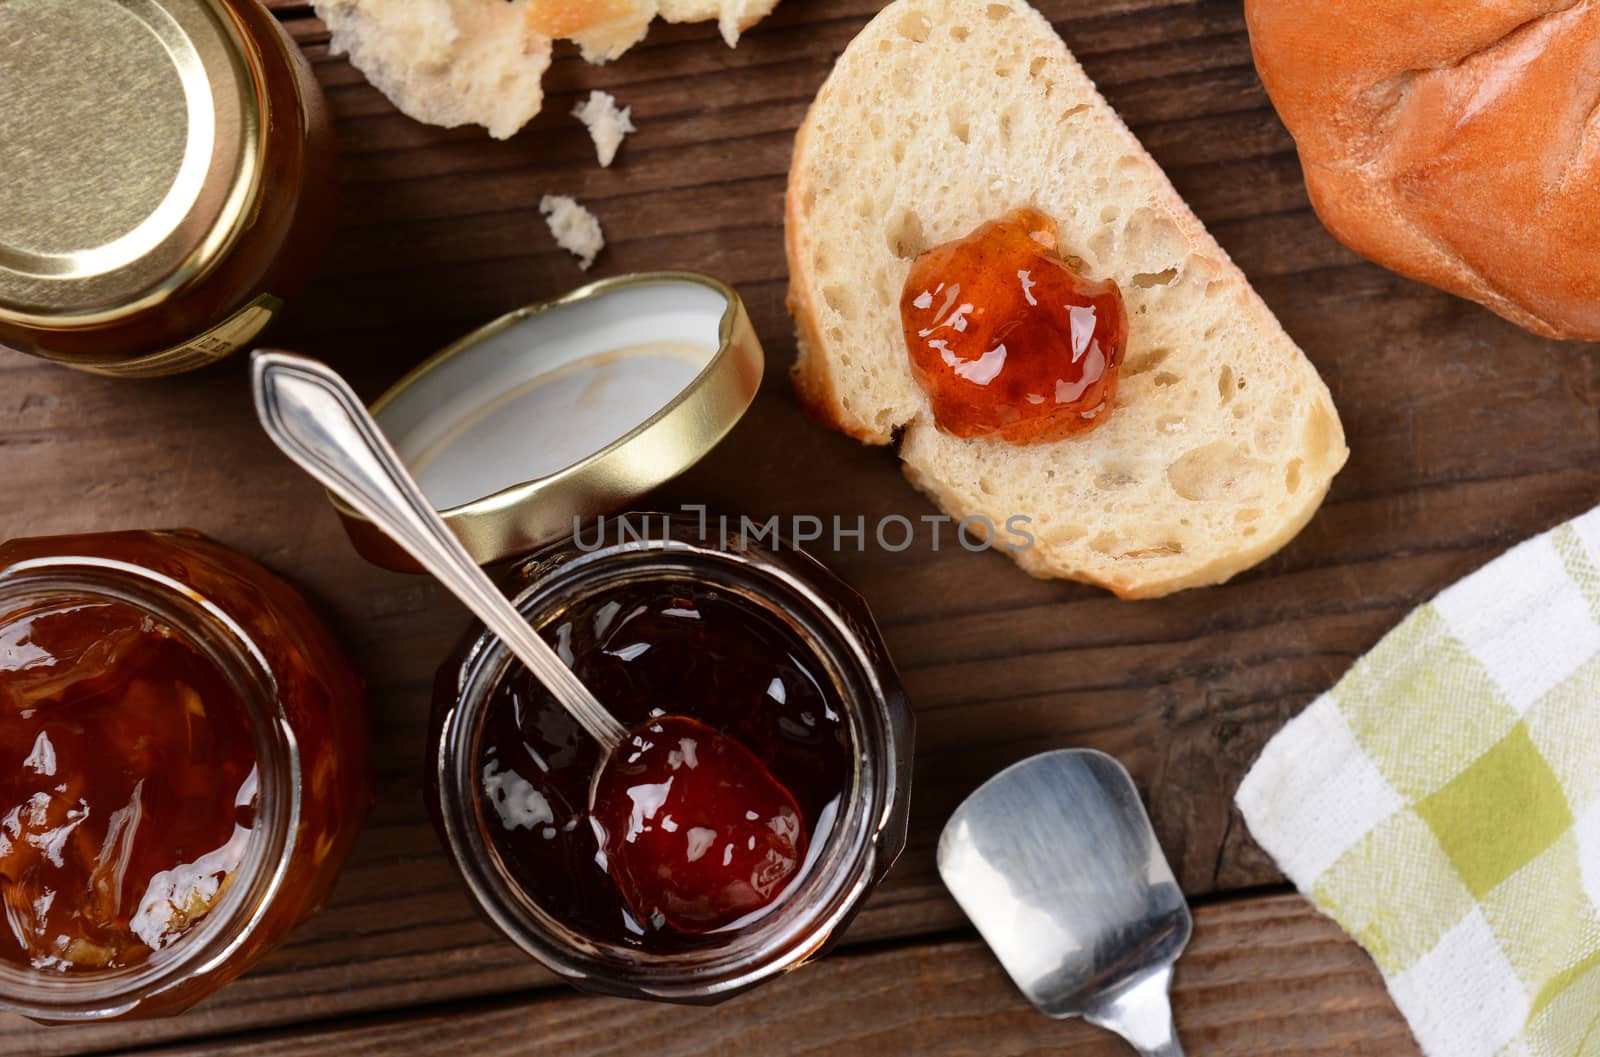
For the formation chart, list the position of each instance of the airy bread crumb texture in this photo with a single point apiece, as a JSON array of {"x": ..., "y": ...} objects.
[
  {"x": 445, "y": 62},
  {"x": 944, "y": 114},
  {"x": 575, "y": 229},
  {"x": 459, "y": 62},
  {"x": 607, "y": 123}
]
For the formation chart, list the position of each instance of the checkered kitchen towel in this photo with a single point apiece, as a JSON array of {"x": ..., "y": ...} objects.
[{"x": 1442, "y": 804}]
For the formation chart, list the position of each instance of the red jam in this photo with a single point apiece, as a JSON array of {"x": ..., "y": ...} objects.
[
  {"x": 127, "y": 786},
  {"x": 1007, "y": 340},
  {"x": 662, "y": 868},
  {"x": 697, "y": 834}
]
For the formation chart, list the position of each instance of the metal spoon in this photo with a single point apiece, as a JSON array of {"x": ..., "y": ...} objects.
[
  {"x": 1055, "y": 862},
  {"x": 319, "y": 422}
]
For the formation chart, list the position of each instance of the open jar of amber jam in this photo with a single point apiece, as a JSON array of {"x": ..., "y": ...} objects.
[
  {"x": 168, "y": 172},
  {"x": 759, "y": 644},
  {"x": 182, "y": 770}
]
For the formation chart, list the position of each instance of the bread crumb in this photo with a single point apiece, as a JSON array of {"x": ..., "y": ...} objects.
[
  {"x": 607, "y": 123},
  {"x": 574, "y": 227}
]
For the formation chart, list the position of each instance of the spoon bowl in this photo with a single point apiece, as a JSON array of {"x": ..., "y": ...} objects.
[{"x": 1056, "y": 863}]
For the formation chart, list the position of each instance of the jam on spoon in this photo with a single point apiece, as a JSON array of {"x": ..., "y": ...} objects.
[
  {"x": 695, "y": 830},
  {"x": 1007, "y": 340}
]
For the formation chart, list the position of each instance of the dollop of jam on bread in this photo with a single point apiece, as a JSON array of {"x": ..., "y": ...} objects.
[{"x": 1007, "y": 339}]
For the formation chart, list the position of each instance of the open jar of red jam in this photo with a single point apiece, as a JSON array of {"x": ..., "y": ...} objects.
[
  {"x": 757, "y": 643},
  {"x": 182, "y": 770}
]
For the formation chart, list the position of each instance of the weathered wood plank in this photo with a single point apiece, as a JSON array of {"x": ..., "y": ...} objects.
[
  {"x": 1262, "y": 977},
  {"x": 1468, "y": 434}
]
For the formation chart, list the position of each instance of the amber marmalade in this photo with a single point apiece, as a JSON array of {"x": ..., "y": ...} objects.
[
  {"x": 183, "y": 768},
  {"x": 127, "y": 786},
  {"x": 1008, "y": 340}
]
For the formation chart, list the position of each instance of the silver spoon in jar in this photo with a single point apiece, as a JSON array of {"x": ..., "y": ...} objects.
[{"x": 311, "y": 413}]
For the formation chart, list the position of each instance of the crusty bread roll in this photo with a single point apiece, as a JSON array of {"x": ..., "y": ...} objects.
[
  {"x": 1454, "y": 141},
  {"x": 944, "y": 114},
  {"x": 461, "y": 62}
]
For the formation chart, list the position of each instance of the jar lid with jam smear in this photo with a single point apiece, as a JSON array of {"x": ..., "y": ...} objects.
[
  {"x": 568, "y": 409},
  {"x": 136, "y": 237}
]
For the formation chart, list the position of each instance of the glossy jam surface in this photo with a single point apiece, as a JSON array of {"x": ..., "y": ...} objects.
[
  {"x": 696, "y": 832},
  {"x": 127, "y": 785},
  {"x": 1007, "y": 340},
  {"x": 647, "y": 650}
]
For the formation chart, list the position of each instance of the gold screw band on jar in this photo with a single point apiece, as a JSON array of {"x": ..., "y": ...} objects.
[{"x": 142, "y": 137}]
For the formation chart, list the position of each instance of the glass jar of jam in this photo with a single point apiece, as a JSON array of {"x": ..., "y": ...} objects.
[
  {"x": 756, "y": 643},
  {"x": 168, "y": 168},
  {"x": 182, "y": 770}
]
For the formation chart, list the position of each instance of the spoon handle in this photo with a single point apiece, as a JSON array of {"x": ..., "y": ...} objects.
[
  {"x": 1142, "y": 1014},
  {"x": 319, "y": 422}
]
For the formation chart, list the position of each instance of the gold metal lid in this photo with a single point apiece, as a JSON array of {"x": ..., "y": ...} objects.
[
  {"x": 568, "y": 409},
  {"x": 129, "y": 153}
]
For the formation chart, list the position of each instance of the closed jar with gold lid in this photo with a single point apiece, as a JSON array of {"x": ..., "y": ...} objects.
[{"x": 167, "y": 167}]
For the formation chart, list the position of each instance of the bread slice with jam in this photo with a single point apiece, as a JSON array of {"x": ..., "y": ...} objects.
[{"x": 943, "y": 115}]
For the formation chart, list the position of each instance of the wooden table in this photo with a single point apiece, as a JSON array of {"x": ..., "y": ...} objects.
[{"x": 1467, "y": 434}]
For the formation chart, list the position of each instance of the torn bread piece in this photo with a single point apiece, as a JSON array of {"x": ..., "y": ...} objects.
[
  {"x": 576, "y": 229},
  {"x": 458, "y": 62},
  {"x": 602, "y": 29},
  {"x": 945, "y": 114},
  {"x": 607, "y": 124},
  {"x": 445, "y": 62},
  {"x": 733, "y": 17}
]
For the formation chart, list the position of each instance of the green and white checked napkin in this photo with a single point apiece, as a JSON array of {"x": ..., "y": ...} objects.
[{"x": 1442, "y": 804}]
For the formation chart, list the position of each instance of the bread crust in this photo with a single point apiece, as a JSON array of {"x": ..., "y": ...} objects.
[
  {"x": 1129, "y": 583},
  {"x": 1456, "y": 142},
  {"x": 813, "y": 382}
]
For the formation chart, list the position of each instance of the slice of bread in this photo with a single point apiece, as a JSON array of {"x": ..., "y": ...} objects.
[{"x": 944, "y": 114}]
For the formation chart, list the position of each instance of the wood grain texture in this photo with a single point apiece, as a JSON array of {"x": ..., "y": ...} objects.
[
  {"x": 1467, "y": 434},
  {"x": 1263, "y": 977}
]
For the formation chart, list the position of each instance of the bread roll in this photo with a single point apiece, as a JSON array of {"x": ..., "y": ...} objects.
[
  {"x": 1454, "y": 141},
  {"x": 944, "y": 114}
]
